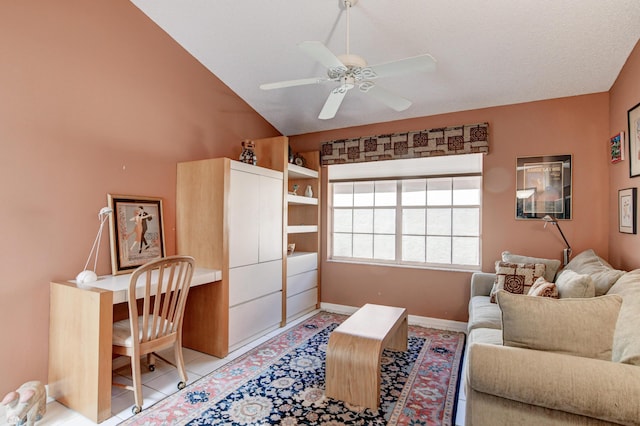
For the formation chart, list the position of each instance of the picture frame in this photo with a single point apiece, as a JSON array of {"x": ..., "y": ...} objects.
[
  {"x": 627, "y": 210},
  {"x": 544, "y": 187},
  {"x": 136, "y": 231},
  {"x": 633, "y": 122},
  {"x": 616, "y": 148}
]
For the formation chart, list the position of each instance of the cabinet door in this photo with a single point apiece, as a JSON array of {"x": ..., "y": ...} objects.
[
  {"x": 244, "y": 213},
  {"x": 271, "y": 200}
]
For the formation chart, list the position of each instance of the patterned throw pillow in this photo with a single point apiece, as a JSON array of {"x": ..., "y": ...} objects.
[
  {"x": 543, "y": 288},
  {"x": 551, "y": 265},
  {"x": 516, "y": 278}
]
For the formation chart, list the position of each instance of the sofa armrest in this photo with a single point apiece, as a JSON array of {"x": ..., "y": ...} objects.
[
  {"x": 482, "y": 283},
  {"x": 593, "y": 388}
]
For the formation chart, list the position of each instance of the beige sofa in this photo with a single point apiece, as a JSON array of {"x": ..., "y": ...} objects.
[{"x": 572, "y": 360}]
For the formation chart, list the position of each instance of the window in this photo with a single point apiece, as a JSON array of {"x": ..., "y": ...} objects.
[{"x": 409, "y": 220}]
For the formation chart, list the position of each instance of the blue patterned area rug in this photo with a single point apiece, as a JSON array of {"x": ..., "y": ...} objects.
[{"x": 281, "y": 382}]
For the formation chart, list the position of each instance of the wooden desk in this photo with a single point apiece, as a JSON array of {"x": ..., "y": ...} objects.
[{"x": 80, "y": 333}]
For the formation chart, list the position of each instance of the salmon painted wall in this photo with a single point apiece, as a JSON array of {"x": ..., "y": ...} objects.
[
  {"x": 95, "y": 99},
  {"x": 576, "y": 125},
  {"x": 624, "y": 249}
]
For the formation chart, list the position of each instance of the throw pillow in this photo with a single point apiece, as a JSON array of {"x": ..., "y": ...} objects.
[
  {"x": 626, "y": 339},
  {"x": 551, "y": 265},
  {"x": 580, "y": 327},
  {"x": 543, "y": 288},
  {"x": 602, "y": 274},
  {"x": 516, "y": 277},
  {"x": 572, "y": 284}
]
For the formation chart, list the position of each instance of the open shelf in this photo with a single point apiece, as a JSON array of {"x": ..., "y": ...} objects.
[
  {"x": 297, "y": 199},
  {"x": 297, "y": 172},
  {"x": 301, "y": 229}
]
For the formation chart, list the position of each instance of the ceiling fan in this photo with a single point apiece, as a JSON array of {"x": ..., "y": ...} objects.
[{"x": 352, "y": 70}]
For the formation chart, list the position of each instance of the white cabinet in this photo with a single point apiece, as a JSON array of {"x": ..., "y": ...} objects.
[
  {"x": 255, "y": 251},
  {"x": 229, "y": 216},
  {"x": 255, "y": 219}
]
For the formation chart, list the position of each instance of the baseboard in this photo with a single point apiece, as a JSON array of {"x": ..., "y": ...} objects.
[{"x": 440, "y": 324}]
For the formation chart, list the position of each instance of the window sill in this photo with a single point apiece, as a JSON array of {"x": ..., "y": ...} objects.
[{"x": 445, "y": 268}]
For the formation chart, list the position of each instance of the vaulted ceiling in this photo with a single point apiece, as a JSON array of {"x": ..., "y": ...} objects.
[{"x": 488, "y": 52}]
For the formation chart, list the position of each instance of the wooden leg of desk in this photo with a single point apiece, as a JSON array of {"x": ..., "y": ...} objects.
[
  {"x": 205, "y": 326},
  {"x": 80, "y": 329}
]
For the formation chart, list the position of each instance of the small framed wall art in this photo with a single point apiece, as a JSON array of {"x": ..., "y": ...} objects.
[
  {"x": 627, "y": 210},
  {"x": 543, "y": 187},
  {"x": 137, "y": 232},
  {"x": 633, "y": 116},
  {"x": 616, "y": 148}
]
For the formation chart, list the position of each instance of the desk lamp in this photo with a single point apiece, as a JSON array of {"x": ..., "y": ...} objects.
[
  {"x": 88, "y": 276},
  {"x": 566, "y": 253}
]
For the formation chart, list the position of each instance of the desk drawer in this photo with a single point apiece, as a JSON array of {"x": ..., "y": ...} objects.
[
  {"x": 301, "y": 262},
  {"x": 301, "y": 282},
  {"x": 302, "y": 302},
  {"x": 251, "y": 318},
  {"x": 253, "y": 281}
]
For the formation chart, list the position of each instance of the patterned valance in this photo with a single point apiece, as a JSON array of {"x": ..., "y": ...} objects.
[{"x": 467, "y": 139}]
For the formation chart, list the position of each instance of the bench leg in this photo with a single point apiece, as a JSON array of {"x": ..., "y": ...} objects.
[
  {"x": 353, "y": 370},
  {"x": 398, "y": 340}
]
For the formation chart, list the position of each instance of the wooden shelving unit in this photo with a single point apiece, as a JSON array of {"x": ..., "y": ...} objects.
[
  {"x": 303, "y": 229},
  {"x": 301, "y": 224}
]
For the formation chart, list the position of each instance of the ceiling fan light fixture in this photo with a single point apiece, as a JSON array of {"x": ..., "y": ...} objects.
[{"x": 350, "y": 60}]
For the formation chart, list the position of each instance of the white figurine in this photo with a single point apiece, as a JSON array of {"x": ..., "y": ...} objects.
[{"x": 27, "y": 405}]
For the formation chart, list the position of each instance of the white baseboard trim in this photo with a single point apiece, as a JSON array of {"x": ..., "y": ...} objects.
[{"x": 440, "y": 324}]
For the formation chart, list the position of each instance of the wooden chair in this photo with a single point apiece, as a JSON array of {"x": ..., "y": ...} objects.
[{"x": 159, "y": 325}]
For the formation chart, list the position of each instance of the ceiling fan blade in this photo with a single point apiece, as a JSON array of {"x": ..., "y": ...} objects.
[
  {"x": 393, "y": 101},
  {"x": 332, "y": 103},
  {"x": 292, "y": 83},
  {"x": 421, "y": 63},
  {"x": 321, "y": 53}
]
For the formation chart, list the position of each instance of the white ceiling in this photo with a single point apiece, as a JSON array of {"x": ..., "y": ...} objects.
[{"x": 489, "y": 52}]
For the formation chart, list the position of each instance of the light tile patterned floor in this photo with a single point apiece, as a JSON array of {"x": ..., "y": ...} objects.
[{"x": 161, "y": 383}]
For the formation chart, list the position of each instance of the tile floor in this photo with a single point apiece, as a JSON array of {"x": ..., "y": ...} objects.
[{"x": 161, "y": 383}]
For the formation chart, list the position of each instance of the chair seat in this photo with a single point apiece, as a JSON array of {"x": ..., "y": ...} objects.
[{"x": 122, "y": 331}]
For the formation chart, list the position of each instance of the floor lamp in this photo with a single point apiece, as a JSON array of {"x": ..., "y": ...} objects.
[
  {"x": 89, "y": 276},
  {"x": 566, "y": 253}
]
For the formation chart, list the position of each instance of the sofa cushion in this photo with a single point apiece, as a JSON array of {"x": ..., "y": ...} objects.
[
  {"x": 490, "y": 336},
  {"x": 581, "y": 327},
  {"x": 602, "y": 274},
  {"x": 626, "y": 339},
  {"x": 483, "y": 314},
  {"x": 516, "y": 278},
  {"x": 543, "y": 288},
  {"x": 573, "y": 285},
  {"x": 551, "y": 265}
]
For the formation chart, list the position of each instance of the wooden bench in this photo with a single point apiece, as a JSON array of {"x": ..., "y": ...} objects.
[{"x": 354, "y": 351}]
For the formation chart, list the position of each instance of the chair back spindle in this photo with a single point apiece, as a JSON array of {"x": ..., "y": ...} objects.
[{"x": 166, "y": 286}]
